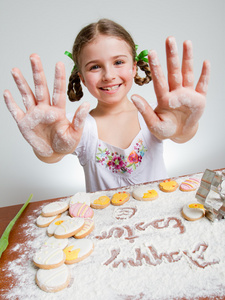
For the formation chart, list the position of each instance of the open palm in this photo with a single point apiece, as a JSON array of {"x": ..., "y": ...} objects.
[
  {"x": 44, "y": 124},
  {"x": 180, "y": 105}
]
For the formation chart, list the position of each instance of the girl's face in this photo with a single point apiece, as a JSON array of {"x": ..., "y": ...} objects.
[{"x": 107, "y": 69}]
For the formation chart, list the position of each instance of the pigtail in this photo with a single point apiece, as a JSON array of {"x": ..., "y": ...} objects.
[
  {"x": 145, "y": 68},
  {"x": 74, "y": 91}
]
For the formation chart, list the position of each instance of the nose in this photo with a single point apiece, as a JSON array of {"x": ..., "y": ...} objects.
[{"x": 108, "y": 73}]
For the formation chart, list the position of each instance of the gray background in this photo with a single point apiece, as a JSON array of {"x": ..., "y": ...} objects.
[{"x": 48, "y": 28}]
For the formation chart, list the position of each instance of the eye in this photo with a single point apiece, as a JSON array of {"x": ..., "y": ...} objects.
[
  {"x": 119, "y": 62},
  {"x": 95, "y": 67}
]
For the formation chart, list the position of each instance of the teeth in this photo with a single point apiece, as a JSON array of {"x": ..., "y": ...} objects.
[{"x": 111, "y": 88}]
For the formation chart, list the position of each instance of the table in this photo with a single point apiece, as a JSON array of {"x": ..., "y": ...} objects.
[
  {"x": 31, "y": 213},
  {"x": 6, "y": 215}
]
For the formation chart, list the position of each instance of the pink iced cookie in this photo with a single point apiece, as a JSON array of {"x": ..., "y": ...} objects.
[
  {"x": 81, "y": 210},
  {"x": 190, "y": 184}
]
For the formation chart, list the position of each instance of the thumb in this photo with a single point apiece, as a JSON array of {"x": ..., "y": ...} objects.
[
  {"x": 163, "y": 127},
  {"x": 80, "y": 116},
  {"x": 146, "y": 110}
]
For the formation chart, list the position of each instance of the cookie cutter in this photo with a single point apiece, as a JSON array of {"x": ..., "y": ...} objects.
[{"x": 214, "y": 206}]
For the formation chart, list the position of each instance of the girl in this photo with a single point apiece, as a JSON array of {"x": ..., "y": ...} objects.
[{"x": 119, "y": 142}]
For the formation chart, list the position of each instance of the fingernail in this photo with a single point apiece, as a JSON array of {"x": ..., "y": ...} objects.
[
  {"x": 5, "y": 95},
  {"x": 153, "y": 58},
  {"x": 172, "y": 45}
]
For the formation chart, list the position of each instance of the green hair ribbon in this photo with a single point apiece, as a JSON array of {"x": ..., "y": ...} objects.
[
  {"x": 70, "y": 56},
  {"x": 142, "y": 55}
]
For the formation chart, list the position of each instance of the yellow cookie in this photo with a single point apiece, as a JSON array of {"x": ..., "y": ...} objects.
[
  {"x": 101, "y": 202},
  {"x": 143, "y": 193},
  {"x": 78, "y": 250},
  {"x": 168, "y": 185},
  {"x": 193, "y": 211},
  {"x": 120, "y": 198}
]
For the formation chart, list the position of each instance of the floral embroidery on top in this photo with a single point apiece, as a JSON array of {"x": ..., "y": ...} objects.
[{"x": 118, "y": 163}]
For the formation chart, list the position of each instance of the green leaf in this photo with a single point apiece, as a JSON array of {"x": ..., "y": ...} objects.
[{"x": 4, "y": 241}]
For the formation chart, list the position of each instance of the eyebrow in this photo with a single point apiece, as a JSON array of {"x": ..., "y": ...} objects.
[{"x": 96, "y": 61}]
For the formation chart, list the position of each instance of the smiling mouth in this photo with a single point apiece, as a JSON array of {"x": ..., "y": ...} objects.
[{"x": 110, "y": 88}]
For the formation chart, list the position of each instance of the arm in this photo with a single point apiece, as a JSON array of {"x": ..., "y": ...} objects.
[
  {"x": 180, "y": 105},
  {"x": 44, "y": 124}
]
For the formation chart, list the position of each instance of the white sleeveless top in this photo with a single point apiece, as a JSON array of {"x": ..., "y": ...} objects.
[{"x": 106, "y": 166}]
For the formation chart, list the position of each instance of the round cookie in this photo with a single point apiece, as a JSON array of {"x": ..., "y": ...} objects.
[
  {"x": 52, "y": 227},
  {"x": 144, "y": 193},
  {"x": 168, "y": 185},
  {"x": 49, "y": 258},
  {"x": 56, "y": 243},
  {"x": 100, "y": 202},
  {"x": 80, "y": 197},
  {"x": 190, "y": 184},
  {"x": 54, "y": 208},
  {"x": 193, "y": 211},
  {"x": 69, "y": 228},
  {"x": 86, "y": 230},
  {"x": 78, "y": 250},
  {"x": 53, "y": 280},
  {"x": 45, "y": 221},
  {"x": 81, "y": 210},
  {"x": 120, "y": 198}
]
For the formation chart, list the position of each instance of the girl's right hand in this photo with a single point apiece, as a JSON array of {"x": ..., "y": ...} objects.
[{"x": 44, "y": 125}]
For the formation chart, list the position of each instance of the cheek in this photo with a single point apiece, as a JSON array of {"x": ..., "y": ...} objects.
[
  {"x": 91, "y": 83},
  {"x": 90, "y": 80},
  {"x": 133, "y": 69},
  {"x": 128, "y": 75}
]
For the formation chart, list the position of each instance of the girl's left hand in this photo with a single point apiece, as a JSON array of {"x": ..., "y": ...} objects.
[{"x": 180, "y": 105}]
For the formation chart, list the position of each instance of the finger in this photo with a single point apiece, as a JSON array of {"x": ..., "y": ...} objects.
[
  {"x": 80, "y": 116},
  {"x": 25, "y": 91},
  {"x": 59, "y": 92},
  {"x": 41, "y": 88},
  {"x": 14, "y": 109},
  {"x": 159, "y": 80},
  {"x": 187, "y": 65},
  {"x": 161, "y": 128},
  {"x": 202, "y": 85},
  {"x": 173, "y": 64},
  {"x": 145, "y": 109}
]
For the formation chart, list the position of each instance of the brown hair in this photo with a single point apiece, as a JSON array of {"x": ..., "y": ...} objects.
[{"x": 87, "y": 35}]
